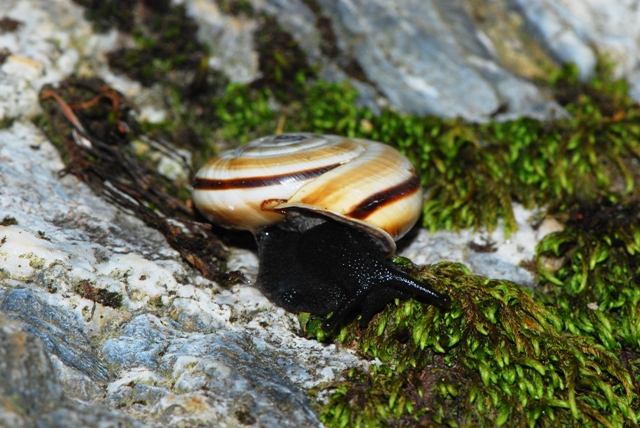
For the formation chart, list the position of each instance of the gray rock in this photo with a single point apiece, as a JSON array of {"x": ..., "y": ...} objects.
[
  {"x": 576, "y": 30},
  {"x": 424, "y": 57},
  {"x": 571, "y": 29},
  {"x": 502, "y": 257},
  {"x": 550, "y": 22},
  {"x": 448, "y": 58},
  {"x": 58, "y": 329},
  {"x": 28, "y": 378},
  {"x": 31, "y": 393},
  {"x": 227, "y": 371}
]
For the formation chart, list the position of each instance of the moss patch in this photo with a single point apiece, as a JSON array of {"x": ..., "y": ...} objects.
[
  {"x": 9, "y": 221},
  {"x": 167, "y": 52},
  {"x": 497, "y": 357},
  {"x": 594, "y": 275},
  {"x": 283, "y": 65},
  {"x": 565, "y": 356},
  {"x": 99, "y": 295},
  {"x": 473, "y": 172}
]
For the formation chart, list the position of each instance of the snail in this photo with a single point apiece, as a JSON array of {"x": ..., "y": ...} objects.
[{"x": 325, "y": 212}]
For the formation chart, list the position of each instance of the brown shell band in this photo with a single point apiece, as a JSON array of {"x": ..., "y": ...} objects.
[
  {"x": 385, "y": 197},
  {"x": 259, "y": 181}
]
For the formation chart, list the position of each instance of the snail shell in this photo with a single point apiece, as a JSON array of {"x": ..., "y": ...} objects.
[
  {"x": 325, "y": 211},
  {"x": 363, "y": 183}
]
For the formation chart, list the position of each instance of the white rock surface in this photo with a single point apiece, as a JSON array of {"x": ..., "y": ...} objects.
[
  {"x": 504, "y": 257},
  {"x": 46, "y": 48}
]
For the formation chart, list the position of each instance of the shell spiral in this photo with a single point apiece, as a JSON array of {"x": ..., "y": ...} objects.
[{"x": 363, "y": 183}]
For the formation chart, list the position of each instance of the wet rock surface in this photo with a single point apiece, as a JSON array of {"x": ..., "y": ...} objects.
[{"x": 171, "y": 348}]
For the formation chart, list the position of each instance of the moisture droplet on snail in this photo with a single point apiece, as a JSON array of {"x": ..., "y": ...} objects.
[{"x": 326, "y": 212}]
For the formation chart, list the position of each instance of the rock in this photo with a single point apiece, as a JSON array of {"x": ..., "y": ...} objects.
[
  {"x": 44, "y": 48},
  {"x": 62, "y": 244},
  {"x": 431, "y": 58},
  {"x": 487, "y": 254},
  {"x": 31, "y": 392},
  {"x": 578, "y": 30},
  {"x": 58, "y": 329},
  {"x": 456, "y": 58},
  {"x": 230, "y": 38},
  {"x": 226, "y": 373}
]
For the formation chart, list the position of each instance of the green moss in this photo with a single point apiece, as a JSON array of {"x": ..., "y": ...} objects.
[
  {"x": 312, "y": 327},
  {"x": 473, "y": 171},
  {"x": 8, "y": 221},
  {"x": 597, "y": 271},
  {"x": 497, "y": 357},
  {"x": 157, "y": 301},
  {"x": 167, "y": 49},
  {"x": 5, "y": 123},
  {"x": 283, "y": 65},
  {"x": 242, "y": 114},
  {"x": 502, "y": 356},
  {"x": 109, "y": 298},
  {"x": 244, "y": 416},
  {"x": 236, "y": 7},
  {"x": 99, "y": 295},
  {"x": 609, "y": 95},
  {"x": 106, "y": 14}
]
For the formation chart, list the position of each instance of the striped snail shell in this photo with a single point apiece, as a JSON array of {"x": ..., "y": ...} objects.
[
  {"x": 363, "y": 183},
  {"x": 325, "y": 212}
]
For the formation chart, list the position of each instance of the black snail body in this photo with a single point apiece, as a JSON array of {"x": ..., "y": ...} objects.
[
  {"x": 331, "y": 268},
  {"x": 325, "y": 211}
]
